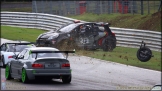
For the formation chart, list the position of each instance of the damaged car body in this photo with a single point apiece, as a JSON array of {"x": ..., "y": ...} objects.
[{"x": 90, "y": 36}]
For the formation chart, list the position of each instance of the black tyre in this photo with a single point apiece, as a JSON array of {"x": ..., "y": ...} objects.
[
  {"x": 66, "y": 79},
  {"x": 144, "y": 54},
  {"x": 8, "y": 73},
  {"x": 24, "y": 77},
  {"x": 3, "y": 62},
  {"x": 107, "y": 46}
]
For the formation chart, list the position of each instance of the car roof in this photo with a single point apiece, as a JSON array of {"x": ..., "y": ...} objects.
[{"x": 42, "y": 49}]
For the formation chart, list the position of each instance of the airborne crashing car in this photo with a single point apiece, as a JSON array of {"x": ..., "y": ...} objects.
[
  {"x": 86, "y": 35},
  {"x": 10, "y": 48},
  {"x": 39, "y": 62}
]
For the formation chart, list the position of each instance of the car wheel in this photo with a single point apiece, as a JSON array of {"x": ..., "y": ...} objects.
[
  {"x": 24, "y": 77},
  {"x": 107, "y": 46},
  {"x": 66, "y": 79},
  {"x": 7, "y": 73},
  {"x": 144, "y": 54},
  {"x": 3, "y": 62}
]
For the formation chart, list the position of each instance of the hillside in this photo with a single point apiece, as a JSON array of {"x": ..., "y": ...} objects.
[{"x": 145, "y": 22}]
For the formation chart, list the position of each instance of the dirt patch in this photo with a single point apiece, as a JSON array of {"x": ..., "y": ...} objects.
[
  {"x": 67, "y": 45},
  {"x": 151, "y": 23}
]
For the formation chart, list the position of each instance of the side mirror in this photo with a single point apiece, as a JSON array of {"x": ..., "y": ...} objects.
[{"x": 156, "y": 88}]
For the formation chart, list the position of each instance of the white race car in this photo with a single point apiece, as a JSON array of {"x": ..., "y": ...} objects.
[{"x": 11, "y": 48}]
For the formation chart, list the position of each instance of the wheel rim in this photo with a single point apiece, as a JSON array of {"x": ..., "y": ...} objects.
[
  {"x": 23, "y": 75},
  {"x": 7, "y": 72}
]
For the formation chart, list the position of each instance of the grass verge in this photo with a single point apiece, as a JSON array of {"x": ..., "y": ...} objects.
[
  {"x": 18, "y": 33},
  {"x": 120, "y": 54},
  {"x": 145, "y": 22}
]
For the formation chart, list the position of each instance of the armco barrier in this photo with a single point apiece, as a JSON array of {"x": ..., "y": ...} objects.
[{"x": 125, "y": 37}]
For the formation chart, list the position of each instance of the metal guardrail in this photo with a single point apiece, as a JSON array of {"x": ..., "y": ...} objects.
[{"x": 125, "y": 37}]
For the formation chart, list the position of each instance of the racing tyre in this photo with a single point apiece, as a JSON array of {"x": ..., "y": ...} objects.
[
  {"x": 3, "y": 62},
  {"x": 8, "y": 73},
  {"x": 66, "y": 79},
  {"x": 107, "y": 46},
  {"x": 144, "y": 54},
  {"x": 24, "y": 77}
]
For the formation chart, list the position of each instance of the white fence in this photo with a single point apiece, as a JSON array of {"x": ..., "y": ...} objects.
[{"x": 125, "y": 37}]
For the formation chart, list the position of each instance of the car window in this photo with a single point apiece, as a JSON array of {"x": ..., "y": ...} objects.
[
  {"x": 26, "y": 55},
  {"x": 3, "y": 47},
  {"x": 22, "y": 53},
  {"x": 101, "y": 28},
  {"x": 42, "y": 55},
  {"x": 67, "y": 28},
  {"x": 18, "y": 48}
]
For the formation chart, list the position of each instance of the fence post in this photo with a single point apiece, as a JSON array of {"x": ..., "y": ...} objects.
[
  {"x": 100, "y": 7},
  {"x": 141, "y": 7},
  {"x": 148, "y": 7},
  {"x": 160, "y": 5}
]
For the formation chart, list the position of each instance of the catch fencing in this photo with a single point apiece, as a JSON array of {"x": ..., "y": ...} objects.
[
  {"x": 125, "y": 37},
  {"x": 76, "y": 7}
]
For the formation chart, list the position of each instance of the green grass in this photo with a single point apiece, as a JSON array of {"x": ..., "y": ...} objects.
[
  {"x": 136, "y": 21},
  {"x": 125, "y": 56},
  {"x": 18, "y": 10},
  {"x": 17, "y": 33},
  {"x": 120, "y": 54}
]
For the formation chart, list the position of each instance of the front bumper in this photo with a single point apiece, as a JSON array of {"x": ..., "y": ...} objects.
[{"x": 33, "y": 73}]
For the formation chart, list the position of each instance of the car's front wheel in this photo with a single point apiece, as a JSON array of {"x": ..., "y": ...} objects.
[
  {"x": 24, "y": 77},
  {"x": 7, "y": 73},
  {"x": 66, "y": 79}
]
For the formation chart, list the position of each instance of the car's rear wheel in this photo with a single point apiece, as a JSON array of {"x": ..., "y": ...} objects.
[
  {"x": 24, "y": 77},
  {"x": 107, "y": 46},
  {"x": 66, "y": 79},
  {"x": 7, "y": 73}
]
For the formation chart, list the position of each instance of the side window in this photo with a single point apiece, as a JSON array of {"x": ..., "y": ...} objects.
[
  {"x": 26, "y": 56},
  {"x": 3, "y": 47},
  {"x": 22, "y": 53}
]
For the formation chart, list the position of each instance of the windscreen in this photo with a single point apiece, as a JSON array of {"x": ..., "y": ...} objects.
[
  {"x": 18, "y": 48},
  {"x": 43, "y": 55},
  {"x": 67, "y": 28}
]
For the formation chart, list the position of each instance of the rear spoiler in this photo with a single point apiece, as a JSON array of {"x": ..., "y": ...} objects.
[
  {"x": 66, "y": 52},
  {"x": 22, "y": 43}
]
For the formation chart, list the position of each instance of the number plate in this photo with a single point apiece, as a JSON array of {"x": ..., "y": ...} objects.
[{"x": 52, "y": 65}]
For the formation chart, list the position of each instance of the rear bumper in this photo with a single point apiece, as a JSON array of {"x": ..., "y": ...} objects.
[{"x": 33, "y": 73}]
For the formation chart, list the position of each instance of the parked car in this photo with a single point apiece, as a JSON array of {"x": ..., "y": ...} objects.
[
  {"x": 10, "y": 48},
  {"x": 39, "y": 62},
  {"x": 86, "y": 35}
]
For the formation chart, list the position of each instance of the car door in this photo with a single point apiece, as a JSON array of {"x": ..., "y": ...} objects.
[
  {"x": 15, "y": 63},
  {"x": 21, "y": 62}
]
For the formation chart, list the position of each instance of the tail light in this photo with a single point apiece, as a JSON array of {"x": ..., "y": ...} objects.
[
  {"x": 66, "y": 65},
  {"x": 113, "y": 34},
  {"x": 9, "y": 56},
  {"x": 37, "y": 65}
]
